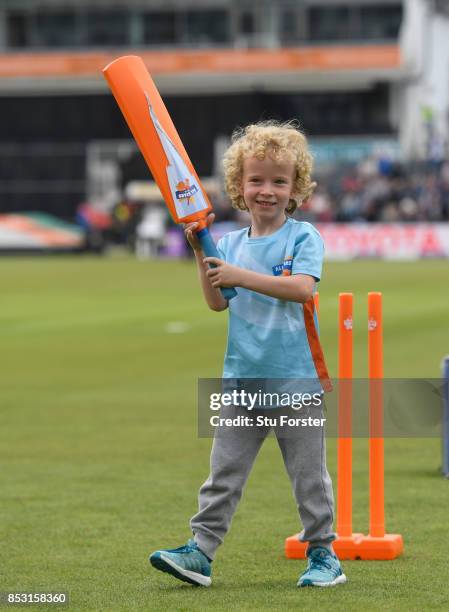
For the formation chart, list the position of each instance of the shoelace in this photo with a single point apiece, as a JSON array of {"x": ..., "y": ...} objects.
[
  {"x": 187, "y": 548},
  {"x": 318, "y": 563}
]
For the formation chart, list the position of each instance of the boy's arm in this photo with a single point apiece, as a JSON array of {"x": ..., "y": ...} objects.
[
  {"x": 295, "y": 288},
  {"x": 213, "y": 296}
]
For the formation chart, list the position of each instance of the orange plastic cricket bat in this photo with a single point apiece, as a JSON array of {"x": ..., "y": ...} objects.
[{"x": 162, "y": 148}]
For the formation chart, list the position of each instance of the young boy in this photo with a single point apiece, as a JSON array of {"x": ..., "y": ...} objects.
[{"x": 274, "y": 264}]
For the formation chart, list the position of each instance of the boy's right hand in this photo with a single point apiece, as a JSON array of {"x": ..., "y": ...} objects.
[{"x": 190, "y": 234}]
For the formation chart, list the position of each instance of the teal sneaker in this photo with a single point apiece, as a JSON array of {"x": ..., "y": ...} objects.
[
  {"x": 187, "y": 563},
  {"x": 323, "y": 569}
]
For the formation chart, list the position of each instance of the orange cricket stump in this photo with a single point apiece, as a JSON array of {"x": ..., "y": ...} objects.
[
  {"x": 346, "y": 545},
  {"x": 378, "y": 544}
]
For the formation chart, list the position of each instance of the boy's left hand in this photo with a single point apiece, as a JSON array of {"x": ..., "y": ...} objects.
[{"x": 224, "y": 275}]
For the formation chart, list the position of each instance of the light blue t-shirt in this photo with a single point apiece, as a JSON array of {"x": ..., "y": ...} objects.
[{"x": 268, "y": 337}]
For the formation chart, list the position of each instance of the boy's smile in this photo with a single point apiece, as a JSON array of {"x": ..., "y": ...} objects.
[{"x": 267, "y": 187}]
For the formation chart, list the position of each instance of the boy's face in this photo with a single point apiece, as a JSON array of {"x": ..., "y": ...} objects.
[{"x": 267, "y": 187}]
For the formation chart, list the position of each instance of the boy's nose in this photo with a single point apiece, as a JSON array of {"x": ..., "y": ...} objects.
[{"x": 266, "y": 189}]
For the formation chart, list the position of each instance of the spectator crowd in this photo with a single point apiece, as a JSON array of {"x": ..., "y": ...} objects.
[{"x": 382, "y": 191}]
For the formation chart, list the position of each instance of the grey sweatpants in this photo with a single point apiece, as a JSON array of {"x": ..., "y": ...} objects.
[{"x": 233, "y": 453}]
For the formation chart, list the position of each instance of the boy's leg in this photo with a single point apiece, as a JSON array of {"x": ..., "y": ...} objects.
[
  {"x": 304, "y": 454},
  {"x": 234, "y": 450}
]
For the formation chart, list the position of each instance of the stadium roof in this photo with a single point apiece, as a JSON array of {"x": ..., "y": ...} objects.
[{"x": 224, "y": 70}]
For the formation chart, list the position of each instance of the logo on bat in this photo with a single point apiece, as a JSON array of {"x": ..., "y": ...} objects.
[
  {"x": 183, "y": 185},
  {"x": 185, "y": 191}
]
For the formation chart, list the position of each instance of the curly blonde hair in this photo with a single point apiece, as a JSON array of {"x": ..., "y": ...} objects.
[{"x": 282, "y": 142}]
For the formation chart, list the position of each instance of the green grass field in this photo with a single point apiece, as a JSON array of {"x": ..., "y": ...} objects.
[{"x": 101, "y": 463}]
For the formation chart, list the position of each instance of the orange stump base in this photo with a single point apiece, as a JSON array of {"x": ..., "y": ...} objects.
[
  {"x": 382, "y": 548},
  {"x": 346, "y": 547},
  {"x": 356, "y": 546}
]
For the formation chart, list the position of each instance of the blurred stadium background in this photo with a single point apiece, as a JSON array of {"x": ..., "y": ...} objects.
[{"x": 368, "y": 80}]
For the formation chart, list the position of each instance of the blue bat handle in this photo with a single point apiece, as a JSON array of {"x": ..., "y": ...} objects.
[{"x": 210, "y": 250}]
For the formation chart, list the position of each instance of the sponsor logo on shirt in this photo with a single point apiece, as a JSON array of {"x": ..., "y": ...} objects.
[{"x": 283, "y": 269}]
